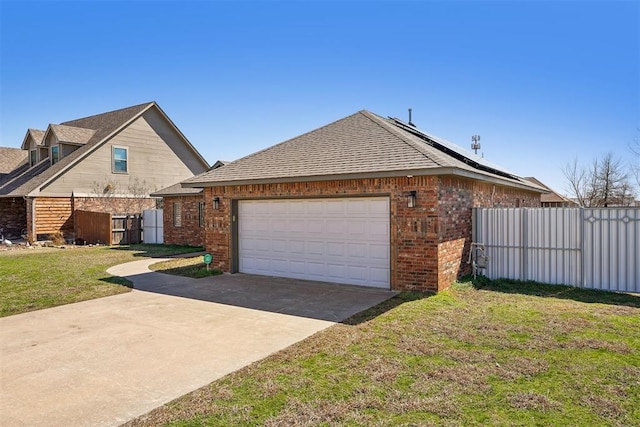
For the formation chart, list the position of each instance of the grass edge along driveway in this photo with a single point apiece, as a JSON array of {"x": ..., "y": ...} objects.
[
  {"x": 505, "y": 354},
  {"x": 33, "y": 279}
]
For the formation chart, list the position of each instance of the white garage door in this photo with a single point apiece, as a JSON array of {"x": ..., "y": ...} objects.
[{"x": 340, "y": 240}]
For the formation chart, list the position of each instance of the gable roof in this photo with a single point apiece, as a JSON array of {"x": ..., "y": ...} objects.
[
  {"x": 88, "y": 132},
  {"x": 71, "y": 134},
  {"x": 10, "y": 159},
  {"x": 358, "y": 146},
  {"x": 36, "y": 134},
  {"x": 550, "y": 196}
]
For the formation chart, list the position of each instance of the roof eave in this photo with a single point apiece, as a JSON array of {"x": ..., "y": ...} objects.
[{"x": 365, "y": 175}]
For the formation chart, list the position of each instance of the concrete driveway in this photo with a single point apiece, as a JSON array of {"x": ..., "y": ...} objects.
[{"x": 105, "y": 361}]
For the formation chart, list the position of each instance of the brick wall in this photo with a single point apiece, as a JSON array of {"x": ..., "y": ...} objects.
[
  {"x": 13, "y": 216},
  {"x": 190, "y": 232},
  {"x": 429, "y": 242},
  {"x": 456, "y": 198},
  {"x": 114, "y": 205}
]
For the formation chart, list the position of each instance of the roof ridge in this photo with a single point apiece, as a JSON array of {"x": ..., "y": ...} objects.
[
  {"x": 295, "y": 137},
  {"x": 380, "y": 121},
  {"x": 107, "y": 112}
]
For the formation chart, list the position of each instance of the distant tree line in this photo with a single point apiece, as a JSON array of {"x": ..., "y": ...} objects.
[{"x": 607, "y": 181}]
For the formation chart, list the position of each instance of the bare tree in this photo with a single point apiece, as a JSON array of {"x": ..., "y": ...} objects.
[
  {"x": 138, "y": 192},
  {"x": 576, "y": 176},
  {"x": 105, "y": 192},
  {"x": 604, "y": 183}
]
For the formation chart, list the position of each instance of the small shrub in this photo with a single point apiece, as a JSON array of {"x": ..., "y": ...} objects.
[{"x": 57, "y": 238}]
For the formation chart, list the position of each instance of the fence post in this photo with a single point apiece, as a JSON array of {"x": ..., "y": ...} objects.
[
  {"x": 583, "y": 265},
  {"x": 525, "y": 244}
]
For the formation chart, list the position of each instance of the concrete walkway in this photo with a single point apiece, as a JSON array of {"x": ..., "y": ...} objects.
[{"x": 105, "y": 361}]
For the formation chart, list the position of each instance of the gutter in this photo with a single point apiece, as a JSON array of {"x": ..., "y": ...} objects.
[{"x": 365, "y": 175}]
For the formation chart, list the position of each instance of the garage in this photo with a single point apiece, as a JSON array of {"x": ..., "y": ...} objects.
[{"x": 339, "y": 240}]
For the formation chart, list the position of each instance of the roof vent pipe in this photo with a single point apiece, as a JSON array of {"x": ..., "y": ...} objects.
[{"x": 410, "y": 124}]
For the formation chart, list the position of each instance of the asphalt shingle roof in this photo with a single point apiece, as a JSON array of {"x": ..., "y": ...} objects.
[
  {"x": 11, "y": 158},
  {"x": 360, "y": 144},
  {"x": 176, "y": 190},
  {"x": 37, "y": 135},
  {"x": 72, "y": 134}
]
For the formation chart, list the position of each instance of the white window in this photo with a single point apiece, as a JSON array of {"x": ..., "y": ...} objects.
[
  {"x": 120, "y": 160},
  {"x": 55, "y": 155},
  {"x": 33, "y": 157}
]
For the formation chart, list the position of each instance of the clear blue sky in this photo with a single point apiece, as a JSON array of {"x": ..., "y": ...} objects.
[{"x": 540, "y": 81}]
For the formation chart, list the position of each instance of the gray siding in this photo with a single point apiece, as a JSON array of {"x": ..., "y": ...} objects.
[
  {"x": 595, "y": 248},
  {"x": 153, "y": 156}
]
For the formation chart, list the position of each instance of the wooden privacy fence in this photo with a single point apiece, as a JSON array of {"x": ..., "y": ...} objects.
[
  {"x": 597, "y": 248},
  {"x": 105, "y": 228},
  {"x": 126, "y": 229}
]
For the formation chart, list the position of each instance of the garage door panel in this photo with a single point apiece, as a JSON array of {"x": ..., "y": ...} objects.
[
  {"x": 341, "y": 240},
  {"x": 315, "y": 227},
  {"x": 315, "y": 248},
  {"x": 357, "y": 273},
  {"x": 336, "y": 227},
  {"x": 379, "y": 252},
  {"x": 297, "y": 267},
  {"x": 296, "y": 247},
  {"x": 278, "y": 245},
  {"x": 357, "y": 250},
  {"x": 278, "y": 226},
  {"x": 335, "y": 249}
]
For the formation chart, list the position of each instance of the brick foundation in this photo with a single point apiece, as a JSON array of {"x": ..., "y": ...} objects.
[{"x": 429, "y": 242}]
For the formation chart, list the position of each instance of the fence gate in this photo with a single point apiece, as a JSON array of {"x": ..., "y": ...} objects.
[
  {"x": 126, "y": 229},
  {"x": 596, "y": 248}
]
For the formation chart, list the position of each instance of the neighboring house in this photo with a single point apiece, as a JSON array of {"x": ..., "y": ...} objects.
[
  {"x": 551, "y": 199},
  {"x": 183, "y": 216},
  {"x": 108, "y": 162},
  {"x": 11, "y": 213},
  {"x": 365, "y": 200}
]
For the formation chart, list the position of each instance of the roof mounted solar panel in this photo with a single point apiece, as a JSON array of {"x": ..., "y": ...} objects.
[{"x": 455, "y": 151}]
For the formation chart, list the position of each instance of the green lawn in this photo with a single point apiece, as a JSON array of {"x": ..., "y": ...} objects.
[
  {"x": 32, "y": 279},
  {"x": 188, "y": 267},
  {"x": 506, "y": 354}
]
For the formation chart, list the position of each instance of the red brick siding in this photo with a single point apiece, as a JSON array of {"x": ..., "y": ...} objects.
[
  {"x": 456, "y": 198},
  {"x": 428, "y": 242},
  {"x": 13, "y": 216},
  {"x": 113, "y": 205},
  {"x": 190, "y": 233}
]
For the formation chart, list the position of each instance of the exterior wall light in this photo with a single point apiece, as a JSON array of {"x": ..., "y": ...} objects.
[
  {"x": 411, "y": 199},
  {"x": 216, "y": 203}
]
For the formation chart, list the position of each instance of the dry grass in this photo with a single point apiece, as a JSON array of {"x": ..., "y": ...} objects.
[{"x": 506, "y": 354}]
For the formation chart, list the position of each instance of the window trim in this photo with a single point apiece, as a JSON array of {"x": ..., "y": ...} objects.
[
  {"x": 33, "y": 157},
  {"x": 177, "y": 214},
  {"x": 113, "y": 159}
]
